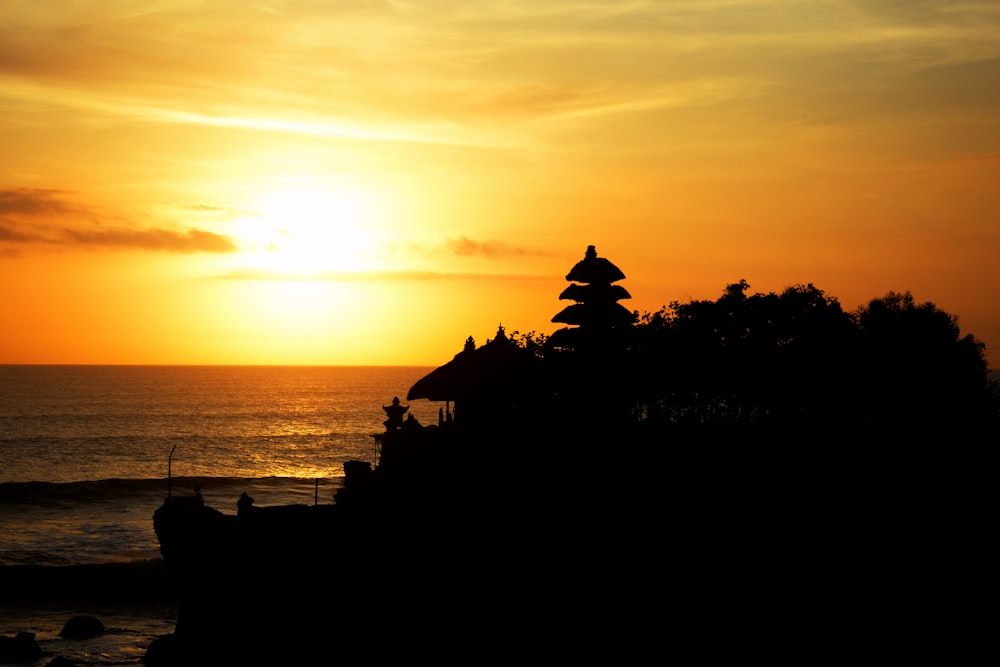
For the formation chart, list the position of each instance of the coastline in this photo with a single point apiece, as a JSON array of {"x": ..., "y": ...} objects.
[{"x": 133, "y": 601}]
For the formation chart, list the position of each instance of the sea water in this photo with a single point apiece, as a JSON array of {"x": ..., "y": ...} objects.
[{"x": 87, "y": 453}]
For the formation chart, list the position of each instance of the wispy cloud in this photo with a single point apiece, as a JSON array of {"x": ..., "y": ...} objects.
[
  {"x": 486, "y": 75},
  {"x": 466, "y": 247},
  {"x": 373, "y": 276},
  {"x": 186, "y": 241},
  {"x": 43, "y": 216},
  {"x": 9, "y": 232},
  {"x": 34, "y": 202}
]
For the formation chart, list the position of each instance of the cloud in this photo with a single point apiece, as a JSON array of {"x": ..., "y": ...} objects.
[
  {"x": 496, "y": 75},
  {"x": 189, "y": 241},
  {"x": 370, "y": 276},
  {"x": 465, "y": 247},
  {"x": 43, "y": 216},
  {"x": 462, "y": 247},
  {"x": 33, "y": 202},
  {"x": 9, "y": 232}
]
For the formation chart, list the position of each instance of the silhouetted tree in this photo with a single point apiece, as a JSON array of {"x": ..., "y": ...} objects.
[
  {"x": 532, "y": 341},
  {"x": 792, "y": 366},
  {"x": 917, "y": 372},
  {"x": 745, "y": 358}
]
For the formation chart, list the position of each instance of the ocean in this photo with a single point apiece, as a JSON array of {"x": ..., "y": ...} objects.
[
  {"x": 87, "y": 454},
  {"x": 86, "y": 451}
]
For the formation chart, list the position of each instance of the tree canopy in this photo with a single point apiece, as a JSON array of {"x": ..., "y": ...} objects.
[{"x": 793, "y": 361}]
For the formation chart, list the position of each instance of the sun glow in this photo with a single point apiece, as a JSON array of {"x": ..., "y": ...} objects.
[{"x": 305, "y": 231}]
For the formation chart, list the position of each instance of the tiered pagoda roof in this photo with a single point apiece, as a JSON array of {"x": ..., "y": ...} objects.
[{"x": 596, "y": 297}]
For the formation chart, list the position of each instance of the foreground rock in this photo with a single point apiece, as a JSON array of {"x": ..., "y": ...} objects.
[
  {"x": 20, "y": 648},
  {"x": 82, "y": 627}
]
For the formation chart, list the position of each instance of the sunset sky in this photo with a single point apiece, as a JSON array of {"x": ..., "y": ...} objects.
[{"x": 355, "y": 182}]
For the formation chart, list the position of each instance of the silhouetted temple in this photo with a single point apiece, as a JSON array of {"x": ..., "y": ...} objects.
[
  {"x": 482, "y": 382},
  {"x": 595, "y": 310},
  {"x": 690, "y": 463},
  {"x": 502, "y": 384},
  {"x": 394, "y": 413}
]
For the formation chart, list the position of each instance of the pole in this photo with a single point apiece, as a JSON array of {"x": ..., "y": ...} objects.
[{"x": 170, "y": 478}]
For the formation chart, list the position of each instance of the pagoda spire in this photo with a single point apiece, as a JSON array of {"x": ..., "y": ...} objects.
[{"x": 594, "y": 294}]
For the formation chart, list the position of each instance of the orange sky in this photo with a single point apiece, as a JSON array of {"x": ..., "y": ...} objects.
[{"x": 372, "y": 182}]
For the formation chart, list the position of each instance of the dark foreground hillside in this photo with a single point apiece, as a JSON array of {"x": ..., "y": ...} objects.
[{"x": 439, "y": 555}]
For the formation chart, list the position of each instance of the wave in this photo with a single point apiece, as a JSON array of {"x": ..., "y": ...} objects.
[
  {"x": 54, "y": 495},
  {"x": 111, "y": 520}
]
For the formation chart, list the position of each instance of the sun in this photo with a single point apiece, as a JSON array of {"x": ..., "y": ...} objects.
[{"x": 309, "y": 230}]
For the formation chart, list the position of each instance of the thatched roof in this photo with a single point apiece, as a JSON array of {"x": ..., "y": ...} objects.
[
  {"x": 497, "y": 367},
  {"x": 594, "y": 269},
  {"x": 598, "y": 314},
  {"x": 595, "y": 293}
]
